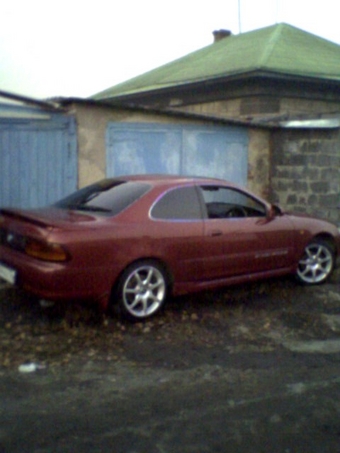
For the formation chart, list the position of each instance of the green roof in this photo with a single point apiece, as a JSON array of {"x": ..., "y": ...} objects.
[{"x": 280, "y": 48}]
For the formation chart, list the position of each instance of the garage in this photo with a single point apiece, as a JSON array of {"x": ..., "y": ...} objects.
[
  {"x": 38, "y": 156},
  {"x": 215, "y": 151}
]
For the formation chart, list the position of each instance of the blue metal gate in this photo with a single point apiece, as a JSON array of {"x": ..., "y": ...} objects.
[
  {"x": 38, "y": 160},
  {"x": 215, "y": 151}
]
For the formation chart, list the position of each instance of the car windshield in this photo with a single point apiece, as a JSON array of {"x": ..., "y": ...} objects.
[{"x": 108, "y": 197}]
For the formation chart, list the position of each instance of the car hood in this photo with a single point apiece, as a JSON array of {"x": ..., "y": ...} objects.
[
  {"x": 309, "y": 222},
  {"x": 302, "y": 216}
]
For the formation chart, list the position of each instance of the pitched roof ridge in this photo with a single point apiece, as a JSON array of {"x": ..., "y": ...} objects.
[{"x": 270, "y": 48}]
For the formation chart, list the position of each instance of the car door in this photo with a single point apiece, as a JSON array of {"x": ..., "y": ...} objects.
[
  {"x": 177, "y": 229},
  {"x": 240, "y": 236}
]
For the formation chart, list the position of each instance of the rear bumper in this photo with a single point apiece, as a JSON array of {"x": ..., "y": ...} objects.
[{"x": 54, "y": 281}]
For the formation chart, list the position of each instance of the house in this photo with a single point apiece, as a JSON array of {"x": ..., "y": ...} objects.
[
  {"x": 283, "y": 85},
  {"x": 256, "y": 75}
]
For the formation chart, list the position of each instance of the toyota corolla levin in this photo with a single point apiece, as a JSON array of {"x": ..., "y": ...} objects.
[{"x": 132, "y": 241}]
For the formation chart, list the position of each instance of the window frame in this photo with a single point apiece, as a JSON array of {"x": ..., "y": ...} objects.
[{"x": 246, "y": 194}]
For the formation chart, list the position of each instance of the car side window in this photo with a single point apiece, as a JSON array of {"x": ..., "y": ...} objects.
[
  {"x": 178, "y": 204},
  {"x": 225, "y": 203}
]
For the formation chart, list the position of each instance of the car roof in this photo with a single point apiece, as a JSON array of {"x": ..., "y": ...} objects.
[{"x": 156, "y": 179}]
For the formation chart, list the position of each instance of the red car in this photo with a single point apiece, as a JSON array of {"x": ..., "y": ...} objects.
[{"x": 133, "y": 240}]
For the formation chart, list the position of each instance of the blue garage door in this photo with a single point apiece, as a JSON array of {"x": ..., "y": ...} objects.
[
  {"x": 220, "y": 152},
  {"x": 38, "y": 161}
]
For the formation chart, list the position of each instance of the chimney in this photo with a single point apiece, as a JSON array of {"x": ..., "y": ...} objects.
[{"x": 221, "y": 34}]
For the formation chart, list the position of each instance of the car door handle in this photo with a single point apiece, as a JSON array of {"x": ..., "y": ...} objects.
[{"x": 215, "y": 233}]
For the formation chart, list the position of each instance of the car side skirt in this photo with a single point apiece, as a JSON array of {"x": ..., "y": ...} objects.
[{"x": 189, "y": 287}]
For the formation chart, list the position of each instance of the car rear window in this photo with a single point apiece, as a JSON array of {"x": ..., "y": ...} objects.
[{"x": 107, "y": 197}]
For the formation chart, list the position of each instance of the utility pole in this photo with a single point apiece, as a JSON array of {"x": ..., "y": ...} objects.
[{"x": 239, "y": 17}]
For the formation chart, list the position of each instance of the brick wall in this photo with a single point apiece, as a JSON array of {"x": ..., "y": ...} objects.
[{"x": 305, "y": 171}]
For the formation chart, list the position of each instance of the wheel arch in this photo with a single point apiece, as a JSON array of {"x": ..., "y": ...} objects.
[
  {"x": 150, "y": 259},
  {"x": 327, "y": 237}
]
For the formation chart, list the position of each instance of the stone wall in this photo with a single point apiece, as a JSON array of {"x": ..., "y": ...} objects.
[
  {"x": 259, "y": 162},
  {"x": 305, "y": 171},
  {"x": 259, "y": 107}
]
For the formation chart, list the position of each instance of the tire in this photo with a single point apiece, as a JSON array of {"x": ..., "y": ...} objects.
[
  {"x": 317, "y": 263},
  {"x": 142, "y": 290}
]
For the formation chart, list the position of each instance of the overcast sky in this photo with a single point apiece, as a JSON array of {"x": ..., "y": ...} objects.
[{"x": 80, "y": 47}]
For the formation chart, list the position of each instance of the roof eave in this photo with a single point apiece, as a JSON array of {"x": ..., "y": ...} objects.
[
  {"x": 192, "y": 85},
  {"x": 48, "y": 105}
]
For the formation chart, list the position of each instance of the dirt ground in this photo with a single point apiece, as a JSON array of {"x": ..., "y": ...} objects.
[{"x": 252, "y": 368}]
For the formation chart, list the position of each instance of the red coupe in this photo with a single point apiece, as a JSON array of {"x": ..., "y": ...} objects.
[{"x": 133, "y": 240}]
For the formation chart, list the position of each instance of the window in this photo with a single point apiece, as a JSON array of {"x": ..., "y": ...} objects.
[
  {"x": 224, "y": 202},
  {"x": 178, "y": 204},
  {"x": 108, "y": 197}
]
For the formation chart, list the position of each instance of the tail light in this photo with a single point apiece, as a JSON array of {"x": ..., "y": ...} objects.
[{"x": 45, "y": 251}]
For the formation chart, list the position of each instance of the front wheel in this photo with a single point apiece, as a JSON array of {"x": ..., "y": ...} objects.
[
  {"x": 142, "y": 290},
  {"x": 317, "y": 263}
]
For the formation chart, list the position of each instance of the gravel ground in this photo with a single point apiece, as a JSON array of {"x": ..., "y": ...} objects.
[{"x": 251, "y": 368}]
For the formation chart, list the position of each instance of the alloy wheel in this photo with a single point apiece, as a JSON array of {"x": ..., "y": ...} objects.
[
  {"x": 316, "y": 264},
  {"x": 144, "y": 291}
]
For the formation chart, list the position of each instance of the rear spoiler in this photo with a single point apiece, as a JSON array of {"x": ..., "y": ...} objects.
[{"x": 23, "y": 215}]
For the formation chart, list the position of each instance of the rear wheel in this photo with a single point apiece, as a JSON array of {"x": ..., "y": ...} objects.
[
  {"x": 317, "y": 262},
  {"x": 142, "y": 290}
]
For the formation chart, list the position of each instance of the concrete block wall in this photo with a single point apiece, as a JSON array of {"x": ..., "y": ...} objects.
[{"x": 305, "y": 171}]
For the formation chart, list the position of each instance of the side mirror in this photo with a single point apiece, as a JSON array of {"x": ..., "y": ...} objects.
[{"x": 274, "y": 211}]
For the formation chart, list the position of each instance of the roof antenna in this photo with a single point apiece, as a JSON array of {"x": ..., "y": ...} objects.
[{"x": 239, "y": 17}]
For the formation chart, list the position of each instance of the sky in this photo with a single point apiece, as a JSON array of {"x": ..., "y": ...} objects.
[{"x": 76, "y": 48}]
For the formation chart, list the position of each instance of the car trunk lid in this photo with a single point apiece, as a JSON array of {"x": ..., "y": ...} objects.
[
  {"x": 47, "y": 218},
  {"x": 17, "y": 225}
]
